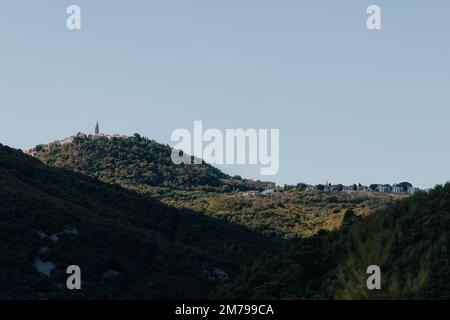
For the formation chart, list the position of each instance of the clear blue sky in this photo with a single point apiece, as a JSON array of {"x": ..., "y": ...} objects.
[{"x": 352, "y": 105}]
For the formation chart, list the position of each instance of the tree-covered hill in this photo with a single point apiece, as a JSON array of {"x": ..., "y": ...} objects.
[
  {"x": 135, "y": 160},
  {"x": 144, "y": 165},
  {"x": 127, "y": 245}
]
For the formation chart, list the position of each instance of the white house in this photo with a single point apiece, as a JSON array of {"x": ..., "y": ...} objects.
[
  {"x": 413, "y": 190},
  {"x": 384, "y": 188}
]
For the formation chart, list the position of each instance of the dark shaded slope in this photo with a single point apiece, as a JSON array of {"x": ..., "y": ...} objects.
[
  {"x": 127, "y": 245},
  {"x": 409, "y": 241},
  {"x": 130, "y": 246}
]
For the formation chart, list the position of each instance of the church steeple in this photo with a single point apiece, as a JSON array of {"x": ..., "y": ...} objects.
[{"x": 97, "y": 129}]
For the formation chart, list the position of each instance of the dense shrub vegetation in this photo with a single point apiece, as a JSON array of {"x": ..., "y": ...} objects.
[
  {"x": 157, "y": 251},
  {"x": 286, "y": 214},
  {"x": 409, "y": 240},
  {"x": 135, "y": 160},
  {"x": 163, "y": 242},
  {"x": 145, "y": 166}
]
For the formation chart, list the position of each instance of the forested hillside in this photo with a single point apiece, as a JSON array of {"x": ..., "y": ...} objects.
[
  {"x": 145, "y": 166},
  {"x": 130, "y": 245},
  {"x": 135, "y": 160},
  {"x": 286, "y": 213},
  {"x": 127, "y": 245},
  {"x": 409, "y": 241}
]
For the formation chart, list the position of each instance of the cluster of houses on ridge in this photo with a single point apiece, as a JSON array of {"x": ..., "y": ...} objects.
[
  {"x": 400, "y": 188},
  {"x": 404, "y": 187}
]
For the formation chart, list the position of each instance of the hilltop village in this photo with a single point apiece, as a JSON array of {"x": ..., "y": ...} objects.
[
  {"x": 79, "y": 136},
  {"x": 403, "y": 187}
]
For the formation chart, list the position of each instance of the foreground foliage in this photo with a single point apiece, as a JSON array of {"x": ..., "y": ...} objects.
[{"x": 159, "y": 251}]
